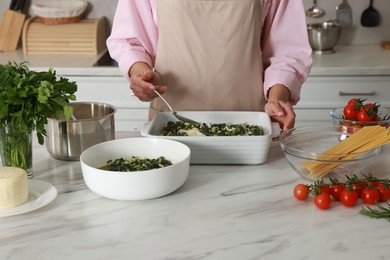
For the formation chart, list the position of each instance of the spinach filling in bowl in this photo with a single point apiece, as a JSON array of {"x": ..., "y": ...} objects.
[
  {"x": 179, "y": 128},
  {"x": 135, "y": 164}
]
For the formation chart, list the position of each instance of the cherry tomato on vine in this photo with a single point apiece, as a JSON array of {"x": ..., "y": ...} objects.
[
  {"x": 322, "y": 201},
  {"x": 325, "y": 189},
  {"x": 365, "y": 116},
  {"x": 352, "y": 101},
  {"x": 374, "y": 183},
  {"x": 358, "y": 187},
  {"x": 372, "y": 109},
  {"x": 349, "y": 198},
  {"x": 335, "y": 191},
  {"x": 370, "y": 195},
  {"x": 350, "y": 112},
  {"x": 358, "y": 102},
  {"x": 384, "y": 192},
  {"x": 301, "y": 191}
]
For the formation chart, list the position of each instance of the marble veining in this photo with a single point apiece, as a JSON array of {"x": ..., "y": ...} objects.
[{"x": 221, "y": 212}]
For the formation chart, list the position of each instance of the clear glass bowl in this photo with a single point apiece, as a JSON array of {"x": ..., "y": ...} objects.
[
  {"x": 348, "y": 127},
  {"x": 304, "y": 149}
]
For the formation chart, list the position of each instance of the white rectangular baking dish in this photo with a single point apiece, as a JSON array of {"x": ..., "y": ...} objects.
[{"x": 220, "y": 149}]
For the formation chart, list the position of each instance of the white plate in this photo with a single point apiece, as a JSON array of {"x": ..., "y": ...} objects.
[{"x": 40, "y": 194}]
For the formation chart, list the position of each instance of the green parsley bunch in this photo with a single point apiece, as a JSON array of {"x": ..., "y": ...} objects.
[{"x": 28, "y": 98}]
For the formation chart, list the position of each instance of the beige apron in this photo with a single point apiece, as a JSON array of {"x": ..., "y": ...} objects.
[{"x": 209, "y": 55}]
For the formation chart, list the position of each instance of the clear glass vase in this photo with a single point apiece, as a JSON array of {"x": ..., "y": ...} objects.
[{"x": 16, "y": 149}]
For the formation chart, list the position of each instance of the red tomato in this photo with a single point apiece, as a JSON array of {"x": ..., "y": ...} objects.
[
  {"x": 322, "y": 201},
  {"x": 350, "y": 112},
  {"x": 358, "y": 187},
  {"x": 335, "y": 191},
  {"x": 301, "y": 191},
  {"x": 354, "y": 128},
  {"x": 384, "y": 192},
  {"x": 348, "y": 128},
  {"x": 343, "y": 128},
  {"x": 375, "y": 183},
  {"x": 356, "y": 102},
  {"x": 370, "y": 195},
  {"x": 365, "y": 116},
  {"x": 349, "y": 198},
  {"x": 352, "y": 101},
  {"x": 371, "y": 108},
  {"x": 325, "y": 189}
]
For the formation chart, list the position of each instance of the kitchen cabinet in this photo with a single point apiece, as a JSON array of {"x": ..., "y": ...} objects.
[
  {"x": 352, "y": 71},
  {"x": 320, "y": 94}
]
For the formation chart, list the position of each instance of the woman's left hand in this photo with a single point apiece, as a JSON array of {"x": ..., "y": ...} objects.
[{"x": 281, "y": 112}]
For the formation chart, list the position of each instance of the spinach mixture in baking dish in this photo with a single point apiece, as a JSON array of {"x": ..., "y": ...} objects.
[
  {"x": 135, "y": 164},
  {"x": 179, "y": 128}
]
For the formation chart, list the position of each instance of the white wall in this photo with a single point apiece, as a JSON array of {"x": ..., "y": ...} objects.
[{"x": 356, "y": 35}]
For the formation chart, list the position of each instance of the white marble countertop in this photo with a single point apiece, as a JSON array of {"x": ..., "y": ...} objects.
[
  {"x": 348, "y": 60},
  {"x": 221, "y": 212}
]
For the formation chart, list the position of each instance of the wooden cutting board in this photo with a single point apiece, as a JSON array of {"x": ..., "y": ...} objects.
[
  {"x": 10, "y": 30},
  {"x": 86, "y": 37}
]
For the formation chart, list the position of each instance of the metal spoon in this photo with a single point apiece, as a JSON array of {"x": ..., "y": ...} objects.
[
  {"x": 181, "y": 118},
  {"x": 314, "y": 11}
]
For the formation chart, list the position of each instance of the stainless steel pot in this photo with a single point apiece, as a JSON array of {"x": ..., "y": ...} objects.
[
  {"x": 323, "y": 37},
  {"x": 95, "y": 123}
]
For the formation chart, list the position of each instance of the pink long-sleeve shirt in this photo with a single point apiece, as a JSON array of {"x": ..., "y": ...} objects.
[{"x": 286, "y": 51}]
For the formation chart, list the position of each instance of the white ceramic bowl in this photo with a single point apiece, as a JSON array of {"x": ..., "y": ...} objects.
[
  {"x": 59, "y": 9},
  {"x": 139, "y": 185}
]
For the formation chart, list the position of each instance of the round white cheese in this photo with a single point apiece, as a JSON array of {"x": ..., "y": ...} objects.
[{"x": 13, "y": 187}]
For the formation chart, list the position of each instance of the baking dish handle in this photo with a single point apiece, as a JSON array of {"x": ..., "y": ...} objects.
[
  {"x": 276, "y": 131},
  {"x": 144, "y": 129}
]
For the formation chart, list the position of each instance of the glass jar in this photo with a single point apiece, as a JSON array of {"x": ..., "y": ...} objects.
[{"x": 16, "y": 149}]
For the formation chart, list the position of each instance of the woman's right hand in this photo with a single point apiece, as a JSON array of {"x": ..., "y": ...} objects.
[{"x": 144, "y": 81}]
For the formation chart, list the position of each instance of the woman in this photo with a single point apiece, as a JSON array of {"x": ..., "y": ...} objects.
[{"x": 247, "y": 55}]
